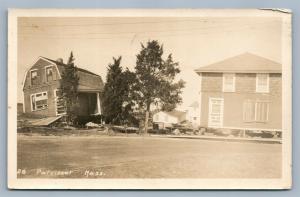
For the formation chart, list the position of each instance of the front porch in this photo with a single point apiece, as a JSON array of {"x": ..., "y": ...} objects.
[{"x": 89, "y": 103}]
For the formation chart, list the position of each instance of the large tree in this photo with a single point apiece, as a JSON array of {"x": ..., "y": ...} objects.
[
  {"x": 117, "y": 107},
  {"x": 69, "y": 89},
  {"x": 155, "y": 84}
]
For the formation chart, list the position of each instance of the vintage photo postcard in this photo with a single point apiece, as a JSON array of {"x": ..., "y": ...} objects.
[{"x": 149, "y": 99}]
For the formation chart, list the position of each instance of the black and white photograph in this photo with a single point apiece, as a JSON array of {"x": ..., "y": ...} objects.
[{"x": 149, "y": 99}]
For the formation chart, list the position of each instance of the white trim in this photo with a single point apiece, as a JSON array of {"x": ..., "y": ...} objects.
[
  {"x": 32, "y": 70},
  {"x": 31, "y": 102},
  {"x": 98, "y": 104},
  {"x": 55, "y": 103},
  {"x": 221, "y": 112},
  {"x": 50, "y": 66},
  {"x": 233, "y": 82},
  {"x": 257, "y": 89},
  {"x": 35, "y": 101}
]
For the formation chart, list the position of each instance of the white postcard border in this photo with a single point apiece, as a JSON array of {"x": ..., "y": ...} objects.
[{"x": 283, "y": 183}]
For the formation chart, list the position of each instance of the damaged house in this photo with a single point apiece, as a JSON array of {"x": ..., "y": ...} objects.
[{"x": 41, "y": 89}]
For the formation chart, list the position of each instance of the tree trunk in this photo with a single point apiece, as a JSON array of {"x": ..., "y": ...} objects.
[
  {"x": 146, "y": 122},
  {"x": 146, "y": 119}
]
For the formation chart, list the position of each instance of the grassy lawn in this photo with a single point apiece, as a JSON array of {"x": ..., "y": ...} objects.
[{"x": 145, "y": 157}]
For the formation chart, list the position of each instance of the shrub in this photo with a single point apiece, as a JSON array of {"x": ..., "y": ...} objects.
[{"x": 82, "y": 120}]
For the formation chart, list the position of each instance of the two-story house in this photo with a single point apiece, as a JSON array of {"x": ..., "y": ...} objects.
[
  {"x": 41, "y": 89},
  {"x": 242, "y": 92}
]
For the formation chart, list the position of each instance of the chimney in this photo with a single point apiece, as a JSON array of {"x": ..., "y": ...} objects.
[{"x": 60, "y": 60}]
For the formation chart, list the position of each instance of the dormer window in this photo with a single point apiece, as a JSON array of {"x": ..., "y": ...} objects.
[
  {"x": 228, "y": 82},
  {"x": 49, "y": 73},
  {"x": 34, "y": 77},
  {"x": 262, "y": 83}
]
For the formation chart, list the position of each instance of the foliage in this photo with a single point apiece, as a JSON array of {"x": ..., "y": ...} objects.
[
  {"x": 117, "y": 107},
  {"x": 155, "y": 83},
  {"x": 69, "y": 89}
]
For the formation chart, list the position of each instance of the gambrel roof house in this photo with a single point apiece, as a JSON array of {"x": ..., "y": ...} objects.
[
  {"x": 41, "y": 89},
  {"x": 241, "y": 92},
  {"x": 88, "y": 81}
]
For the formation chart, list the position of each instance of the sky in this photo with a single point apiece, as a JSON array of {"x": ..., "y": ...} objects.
[{"x": 193, "y": 42}]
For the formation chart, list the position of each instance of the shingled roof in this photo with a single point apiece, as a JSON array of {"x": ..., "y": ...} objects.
[
  {"x": 88, "y": 81},
  {"x": 244, "y": 63}
]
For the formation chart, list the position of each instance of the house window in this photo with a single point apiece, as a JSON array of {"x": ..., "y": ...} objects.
[
  {"x": 256, "y": 111},
  {"x": 262, "y": 83},
  {"x": 34, "y": 77},
  {"x": 49, "y": 74},
  {"x": 228, "y": 82},
  {"x": 39, "y": 101}
]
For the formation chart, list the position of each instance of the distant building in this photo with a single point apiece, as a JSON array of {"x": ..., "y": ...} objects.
[
  {"x": 193, "y": 114},
  {"x": 165, "y": 119},
  {"x": 41, "y": 89},
  {"x": 242, "y": 92}
]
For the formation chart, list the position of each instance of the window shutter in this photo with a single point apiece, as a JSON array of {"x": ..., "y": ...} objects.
[{"x": 262, "y": 109}]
